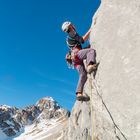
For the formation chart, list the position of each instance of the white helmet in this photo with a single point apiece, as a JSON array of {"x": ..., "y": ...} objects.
[{"x": 65, "y": 26}]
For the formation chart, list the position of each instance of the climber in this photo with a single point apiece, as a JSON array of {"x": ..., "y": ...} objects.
[{"x": 76, "y": 55}]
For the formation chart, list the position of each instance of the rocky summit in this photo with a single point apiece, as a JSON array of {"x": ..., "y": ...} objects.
[{"x": 13, "y": 121}]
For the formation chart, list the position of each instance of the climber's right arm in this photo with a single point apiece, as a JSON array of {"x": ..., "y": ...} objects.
[{"x": 86, "y": 36}]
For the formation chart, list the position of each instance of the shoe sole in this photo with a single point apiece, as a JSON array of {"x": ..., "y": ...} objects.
[{"x": 83, "y": 98}]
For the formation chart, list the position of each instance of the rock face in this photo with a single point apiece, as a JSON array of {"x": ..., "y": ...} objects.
[
  {"x": 116, "y": 31},
  {"x": 14, "y": 120},
  {"x": 113, "y": 110}
]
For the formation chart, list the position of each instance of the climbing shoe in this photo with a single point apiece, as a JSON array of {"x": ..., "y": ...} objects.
[
  {"x": 81, "y": 97},
  {"x": 91, "y": 68}
]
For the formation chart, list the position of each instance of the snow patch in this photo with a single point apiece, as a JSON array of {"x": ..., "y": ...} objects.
[
  {"x": 38, "y": 131},
  {"x": 2, "y": 135},
  {"x": 4, "y": 107}
]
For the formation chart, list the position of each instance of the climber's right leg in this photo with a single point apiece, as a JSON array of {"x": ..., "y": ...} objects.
[
  {"x": 82, "y": 80},
  {"x": 88, "y": 54}
]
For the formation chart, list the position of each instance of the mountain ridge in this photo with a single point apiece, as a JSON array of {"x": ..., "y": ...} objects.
[{"x": 13, "y": 120}]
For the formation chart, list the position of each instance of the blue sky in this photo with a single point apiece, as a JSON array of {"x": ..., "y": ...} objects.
[{"x": 33, "y": 48}]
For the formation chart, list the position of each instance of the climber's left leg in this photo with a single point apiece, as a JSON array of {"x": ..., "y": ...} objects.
[{"x": 82, "y": 79}]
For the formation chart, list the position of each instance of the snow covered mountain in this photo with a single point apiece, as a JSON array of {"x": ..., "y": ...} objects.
[{"x": 33, "y": 121}]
